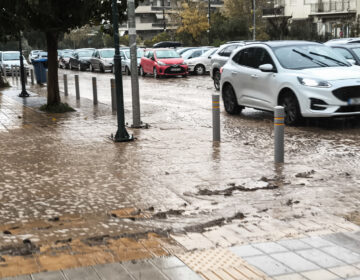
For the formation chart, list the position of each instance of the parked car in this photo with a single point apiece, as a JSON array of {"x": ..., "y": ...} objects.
[
  {"x": 64, "y": 59},
  {"x": 192, "y": 53},
  {"x": 307, "y": 78},
  {"x": 162, "y": 62},
  {"x": 126, "y": 60},
  {"x": 167, "y": 44},
  {"x": 41, "y": 55},
  {"x": 33, "y": 55},
  {"x": 351, "y": 52},
  {"x": 81, "y": 59},
  {"x": 202, "y": 64},
  {"x": 219, "y": 58},
  {"x": 184, "y": 49},
  {"x": 11, "y": 58},
  {"x": 102, "y": 60},
  {"x": 344, "y": 41}
]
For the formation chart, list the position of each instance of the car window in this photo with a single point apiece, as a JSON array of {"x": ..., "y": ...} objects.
[
  {"x": 246, "y": 57},
  {"x": 263, "y": 57},
  {"x": 344, "y": 52},
  {"x": 356, "y": 51},
  {"x": 228, "y": 50},
  {"x": 107, "y": 53},
  {"x": 11, "y": 56}
]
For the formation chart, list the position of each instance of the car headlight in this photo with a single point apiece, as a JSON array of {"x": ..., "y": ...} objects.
[
  {"x": 311, "y": 82},
  {"x": 161, "y": 63}
]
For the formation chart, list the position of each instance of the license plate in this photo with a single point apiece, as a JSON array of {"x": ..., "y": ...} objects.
[
  {"x": 175, "y": 69},
  {"x": 354, "y": 101}
]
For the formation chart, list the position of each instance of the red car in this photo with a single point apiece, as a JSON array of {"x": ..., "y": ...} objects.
[{"x": 163, "y": 62}]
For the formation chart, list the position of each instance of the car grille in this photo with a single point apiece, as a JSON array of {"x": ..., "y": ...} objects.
[
  {"x": 347, "y": 92},
  {"x": 348, "y": 109},
  {"x": 171, "y": 70}
]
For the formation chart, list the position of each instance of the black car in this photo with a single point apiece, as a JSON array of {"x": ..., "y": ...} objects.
[
  {"x": 350, "y": 52},
  {"x": 167, "y": 44},
  {"x": 80, "y": 59}
]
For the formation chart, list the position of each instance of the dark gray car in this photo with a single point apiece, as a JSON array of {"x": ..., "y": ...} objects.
[{"x": 102, "y": 60}]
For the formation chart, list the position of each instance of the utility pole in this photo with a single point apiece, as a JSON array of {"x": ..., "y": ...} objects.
[
  {"x": 254, "y": 21},
  {"x": 134, "y": 65},
  {"x": 209, "y": 9},
  {"x": 23, "y": 93},
  {"x": 121, "y": 133}
]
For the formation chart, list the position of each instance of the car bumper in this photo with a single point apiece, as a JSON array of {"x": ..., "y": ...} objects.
[{"x": 169, "y": 70}]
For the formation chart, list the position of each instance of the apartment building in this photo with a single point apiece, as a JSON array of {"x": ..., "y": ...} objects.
[
  {"x": 335, "y": 17},
  {"x": 155, "y": 16}
]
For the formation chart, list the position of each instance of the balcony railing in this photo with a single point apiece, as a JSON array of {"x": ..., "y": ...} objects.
[
  {"x": 275, "y": 8},
  {"x": 334, "y": 6}
]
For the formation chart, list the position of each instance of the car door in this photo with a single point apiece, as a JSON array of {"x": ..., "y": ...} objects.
[{"x": 148, "y": 66}]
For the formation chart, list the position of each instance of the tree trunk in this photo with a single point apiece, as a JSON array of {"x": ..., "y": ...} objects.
[{"x": 53, "y": 97}]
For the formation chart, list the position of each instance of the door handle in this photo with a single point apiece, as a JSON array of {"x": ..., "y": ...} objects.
[
  {"x": 233, "y": 73},
  {"x": 254, "y": 76}
]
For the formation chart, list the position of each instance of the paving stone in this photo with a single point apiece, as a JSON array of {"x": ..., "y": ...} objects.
[
  {"x": 167, "y": 262},
  {"x": 245, "y": 251},
  {"x": 343, "y": 254},
  {"x": 345, "y": 240},
  {"x": 354, "y": 278},
  {"x": 143, "y": 270},
  {"x": 320, "y": 258},
  {"x": 294, "y": 244},
  {"x": 200, "y": 241},
  {"x": 346, "y": 271},
  {"x": 83, "y": 273},
  {"x": 52, "y": 275},
  {"x": 290, "y": 277},
  {"x": 181, "y": 273},
  {"x": 268, "y": 265},
  {"x": 270, "y": 247},
  {"x": 216, "y": 238},
  {"x": 294, "y": 261},
  {"x": 24, "y": 277},
  {"x": 320, "y": 274},
  {"x": 316, "y": 242},
  {"x": 112, "y": 271}
]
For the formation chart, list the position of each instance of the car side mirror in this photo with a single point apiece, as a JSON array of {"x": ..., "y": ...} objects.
[
  {"x": 266, "y": 68},
  {"x": 190, "y": 57},
  {"x": 351, "y": 61},
  {"x": 209, "y": 57}
]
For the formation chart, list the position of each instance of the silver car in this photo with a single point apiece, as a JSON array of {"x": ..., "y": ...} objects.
[
  {"x": 308, "y": 79},
  {"x": 126, "y": 60},
  {"x": 102, "y": 60},
  {"x": 220, "y": 58},
  {"x": 202, "y": 64},
  {"x": 9, "y": 59}
]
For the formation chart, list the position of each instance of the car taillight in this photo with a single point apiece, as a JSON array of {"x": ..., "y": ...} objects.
[{"x": 221, "y": 70}]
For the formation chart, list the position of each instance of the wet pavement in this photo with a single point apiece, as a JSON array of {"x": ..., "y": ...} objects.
[{"x": 62, "y": 177}]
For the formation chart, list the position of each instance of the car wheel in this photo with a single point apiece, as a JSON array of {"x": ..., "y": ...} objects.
[
  {"x": 155, "y": 73},
  {"x": 292, "y": 109},
  {"x": 230, "y": 103},
  {"x": 102, "y": 70},
  {"x": 199, "y": 69},
  {"x": 217, "y": 80},
  {"x": 184, "y": 76},
  {"x": 141, "y": 70},
  {"x": 127, "y": 71}
]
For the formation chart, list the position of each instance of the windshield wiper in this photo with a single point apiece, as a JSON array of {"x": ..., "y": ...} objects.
[
  {"x": 330, "y": 58},
  {"x": 311, "y": 58}
]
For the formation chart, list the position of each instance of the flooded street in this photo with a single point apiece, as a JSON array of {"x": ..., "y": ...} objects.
[{"x": 64, "y": 168}]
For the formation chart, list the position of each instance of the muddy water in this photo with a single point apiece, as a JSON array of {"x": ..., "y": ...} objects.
[{"x": 68, "y": 166}]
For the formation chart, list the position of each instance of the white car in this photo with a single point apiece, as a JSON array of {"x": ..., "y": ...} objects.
[
  {"x": 9, "y": 59},
  {"x": 309, "y": 79},
  {"x": 33, "y": 54},
  {"x": 202, "y": 64}
]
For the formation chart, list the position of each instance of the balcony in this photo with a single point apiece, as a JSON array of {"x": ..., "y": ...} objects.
[
  {"x": 334, "y": 7},
  {"x": 274, "y": 9}
]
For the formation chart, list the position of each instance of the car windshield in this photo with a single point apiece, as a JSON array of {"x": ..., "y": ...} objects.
[
  {"x": 107, "y": 53},
  {"x": 308, "y": 56},
  {"x": 11, "y": 56},
  {"x": 167, "y": 54},
  {"x": 357, "y": 51},
  {"x": 85, "y": 53},
  {"x": 42, "y": 54},
  {"x": 66, "y": 54},
  {"x": 189, "y": 53},
  {"x": 209, "y": 52},
  {"x": 140, "y": 53}
]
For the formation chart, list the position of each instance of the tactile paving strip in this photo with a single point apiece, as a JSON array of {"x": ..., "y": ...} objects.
[{"x": 220, "y": 264}]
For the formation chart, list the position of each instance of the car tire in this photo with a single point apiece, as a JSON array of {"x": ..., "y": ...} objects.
[
  {"x": 127, "y": 71},
  {"x": 141, "y": 70},
  {"x": 155, "y": 73},
  {"x": 230, "y": 102},
  {"x": 184, "y": 76},
  {"x": 199, "y": 69},
  {"x": 217, "y": 78},
  {"x": 292, "y": 109}
]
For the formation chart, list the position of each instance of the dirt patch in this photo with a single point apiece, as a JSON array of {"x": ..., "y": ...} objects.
[
  {"x": 25, "y": 249},
  {"x": 353, "y": 217},
  {"x": 291, "y": 202},
  {"x": 307, "y": 174},
  {"x": 165, "y": 214},
  {"x": 229, "y": 191}
]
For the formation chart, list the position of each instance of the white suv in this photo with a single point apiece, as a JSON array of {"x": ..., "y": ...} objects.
[{"x": 309, "y": 79}]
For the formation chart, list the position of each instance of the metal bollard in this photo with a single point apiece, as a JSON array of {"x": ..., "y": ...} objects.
[
  {"x": 113, "y": 94},
  {"x": 32, "y": 76},
  {"x": 65, "y": 85},
  {"x": 216, "y": 116},
  {"x": 12, "y": 72},
  {"x": 77, "y": 87},
  {"x": 95, "y": 100},
  {"x": 279, "y": 115}
]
